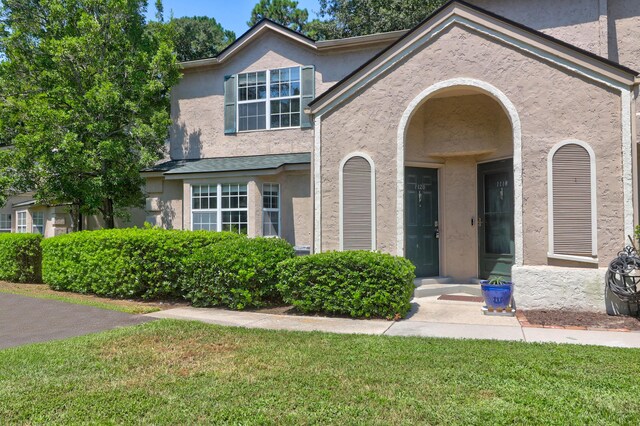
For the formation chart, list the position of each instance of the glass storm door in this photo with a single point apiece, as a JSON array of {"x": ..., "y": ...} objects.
[
  {"x": 495, "y": 219},
  {"x": 421, "y": 220}
]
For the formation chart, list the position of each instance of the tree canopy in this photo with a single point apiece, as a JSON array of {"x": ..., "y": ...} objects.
[
  {"x": 284, "y": 12},
  {"x": 198, "y": 37},
  {"x": 85, "y": 101},
  {"x": 350, "y": 18}
]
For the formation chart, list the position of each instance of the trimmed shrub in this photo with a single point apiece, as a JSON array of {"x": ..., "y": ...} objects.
[
  {"x": 20, "y": 258},
  {"x": 238, "y": 274},
  {"x": 130, "y": 262},
  {"x": 355, "y": 283}
]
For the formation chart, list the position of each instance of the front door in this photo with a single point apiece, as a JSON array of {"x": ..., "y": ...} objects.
[
  {"x": 421, "y": 219},
  {"x": 495, "y": 219}
]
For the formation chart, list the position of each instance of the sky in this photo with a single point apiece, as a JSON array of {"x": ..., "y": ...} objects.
[{"x": 232, "y": 14}]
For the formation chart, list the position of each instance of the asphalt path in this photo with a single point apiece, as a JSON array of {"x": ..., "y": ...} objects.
[{"x": 28, "y": 320}]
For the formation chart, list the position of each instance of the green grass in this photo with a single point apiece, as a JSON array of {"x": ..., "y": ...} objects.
[
  {"x": 42, "y": 291},
  {"x": 170, "y": 372}
]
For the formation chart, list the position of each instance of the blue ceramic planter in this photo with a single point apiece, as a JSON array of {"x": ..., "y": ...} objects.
[{"x": 496, "y": 296}]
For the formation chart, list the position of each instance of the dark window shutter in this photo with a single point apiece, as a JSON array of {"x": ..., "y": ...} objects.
[
  {"x": 356, "y": 204},
  {"x": 572, "y": 209},
  {"x": 230, "y": 104},
  {"x": 308, "y": 93}
]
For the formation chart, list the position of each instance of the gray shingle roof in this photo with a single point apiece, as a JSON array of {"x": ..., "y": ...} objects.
[{"x": 229, "y": 164}]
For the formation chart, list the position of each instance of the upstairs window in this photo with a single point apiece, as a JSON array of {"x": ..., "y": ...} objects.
[{"x": 269, "y": 99}]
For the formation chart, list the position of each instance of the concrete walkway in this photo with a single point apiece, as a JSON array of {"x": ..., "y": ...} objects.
[{"x": 429, "y": 317}]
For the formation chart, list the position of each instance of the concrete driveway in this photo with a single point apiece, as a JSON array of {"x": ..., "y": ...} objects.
[{"x": 28, "y": 320}]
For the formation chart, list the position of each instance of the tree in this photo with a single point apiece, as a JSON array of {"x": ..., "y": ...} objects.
[
  {"x": 284, "y": 12},
  {"x": 85, "y": 101},
  {"x": 199, "y": 37},
  {"x": 350, "y": 18}
]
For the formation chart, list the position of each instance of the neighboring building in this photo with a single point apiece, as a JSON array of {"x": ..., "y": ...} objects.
[
  {"x": 494, "y": 138},
  {"x": 22, "y": 214}
]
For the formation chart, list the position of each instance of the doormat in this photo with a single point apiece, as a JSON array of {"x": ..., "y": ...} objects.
[{"x": 461, "y": 298}]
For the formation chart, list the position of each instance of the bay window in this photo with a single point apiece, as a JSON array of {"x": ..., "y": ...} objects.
[
  {"x": 219, "y": 207},
  {"x": 271, "y": 210}
]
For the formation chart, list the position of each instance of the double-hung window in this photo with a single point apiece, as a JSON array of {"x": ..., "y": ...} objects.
[
  {"x": 271, "y": 210},
  {"x": 269, "y": 99},
  {"x": 5, "y": 222},
  {"x": 21, "y": 222},
  {"x": 37, "y": 223},
  {"x": 204, "y": 206},
  {"x": 219, "y": 207}
]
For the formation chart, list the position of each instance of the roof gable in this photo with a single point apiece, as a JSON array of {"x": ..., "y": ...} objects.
[
  {"x": 461, "y": 13},
  {"x": 268, "y": 26}
]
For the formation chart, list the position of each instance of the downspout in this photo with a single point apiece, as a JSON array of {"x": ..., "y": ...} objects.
[{"x": 635, "y": 116}]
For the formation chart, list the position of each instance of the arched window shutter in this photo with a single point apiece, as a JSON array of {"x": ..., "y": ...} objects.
[
  {"x": 572, "y": 221},
  {"x": 357, "y": 196}
]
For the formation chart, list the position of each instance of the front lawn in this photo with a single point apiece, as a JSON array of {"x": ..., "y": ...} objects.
[{"x": 171, "y": 372}]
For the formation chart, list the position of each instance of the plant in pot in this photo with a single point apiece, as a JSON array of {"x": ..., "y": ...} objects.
[{"x": 497, "y": 293}]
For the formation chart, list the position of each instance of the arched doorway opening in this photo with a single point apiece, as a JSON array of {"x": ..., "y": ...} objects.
[{"x": 461, "y": 182}]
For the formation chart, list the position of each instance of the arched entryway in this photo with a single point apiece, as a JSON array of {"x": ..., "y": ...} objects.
[{"x": 459, "y": 182}]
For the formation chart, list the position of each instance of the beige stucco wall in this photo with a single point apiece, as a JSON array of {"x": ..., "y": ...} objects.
[
  {"x": 609, "y": 28},
  {"x": 461, "y": 129},
  {"x": 164, "y": 203},
  {"x": 553, "y": 105},
  {"x": 296, "y": 214},
  {"x": 198, "y": 100},
  {"x": 573, "y": 21},
  {"x": 624, "y": 32},
  {"x": 136, "y": 218}
]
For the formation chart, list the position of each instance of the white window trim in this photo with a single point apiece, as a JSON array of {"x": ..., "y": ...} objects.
[
  {"x": 267, "y": 101},
  {"x": 26, "y": 222},
  {"x": 272, "y": 210},
  {"x": 594, "y": 206},
  {"x": 218, "y": 210},
  {"x": 373, "y": 197}
]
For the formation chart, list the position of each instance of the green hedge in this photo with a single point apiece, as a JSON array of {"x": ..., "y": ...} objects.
[
  {"x": 131, "y": 262},
  {"x": 355, "y": 283},
  {"x": 20, "y": 258},
  {"x": 237, "y": 273}
]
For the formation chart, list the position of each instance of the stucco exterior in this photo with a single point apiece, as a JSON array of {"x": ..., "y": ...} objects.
[
  {"x": 608, "y": 28},
  {"x": 465, "y": 88},
  {"x": 456, "y": 129},
  {"x": 545, "y": 122},
  {"x": 198, "y": 100},
  {"x": 198, "y": 132}
]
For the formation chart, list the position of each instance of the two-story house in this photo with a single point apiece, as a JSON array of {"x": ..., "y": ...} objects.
[{"x": 494, "y": 138}]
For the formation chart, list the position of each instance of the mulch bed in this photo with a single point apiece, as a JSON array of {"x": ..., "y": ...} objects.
[{"x": 573, "y": 320}]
